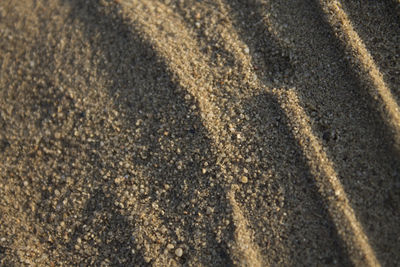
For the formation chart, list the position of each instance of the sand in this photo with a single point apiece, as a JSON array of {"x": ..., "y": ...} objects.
[{"x": 199, "y": 133}]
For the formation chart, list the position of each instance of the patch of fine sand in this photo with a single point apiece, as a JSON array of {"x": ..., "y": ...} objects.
[{"x": 199, "y": 133}]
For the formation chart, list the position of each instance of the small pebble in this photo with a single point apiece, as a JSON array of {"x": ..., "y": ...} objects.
[
  {"x": 209, "y": 210},
  {"x": 118, "y": 180},
  {"x": 179, "y": 252},
  {"x": 170, "y": 246},
  {"x": 246, "y": 50},
  {"x": 244, "y": 179},
  {"x": 57, "y": 135}
]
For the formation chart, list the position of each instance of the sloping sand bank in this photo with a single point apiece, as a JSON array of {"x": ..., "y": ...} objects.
[{"x": 199, "y": 133}]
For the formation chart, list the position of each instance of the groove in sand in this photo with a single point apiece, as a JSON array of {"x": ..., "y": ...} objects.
[
  {"x": 338, "y": 18},
  {"x": 343, "y": 215},
  {"x": 191, "y": 77},
  {"x": 330, "y": 187}
]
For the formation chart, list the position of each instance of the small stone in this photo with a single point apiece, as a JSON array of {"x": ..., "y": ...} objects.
[
  {"x": 26, "y": 183},
  {"x": 118, "y": 180},
  {"x": 244, "y": 179},
  {"x": 179, "y": 252},
  {"x": 57, "y": 135},
  {"x": 209, "y": 210},
  {"x": 246, "y": 50},
  {"x": 170, "y": 246}
]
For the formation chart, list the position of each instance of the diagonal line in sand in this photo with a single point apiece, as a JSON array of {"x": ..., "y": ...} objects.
[
  {"x": 243, "y": 235},
  {"x": 191, "y": 77},
  {"x": 330, "y": 187},
  {"x": 358, "y": 52}
]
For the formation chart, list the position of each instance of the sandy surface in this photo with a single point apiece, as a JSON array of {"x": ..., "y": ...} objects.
[{"x": 199, "y": 133}]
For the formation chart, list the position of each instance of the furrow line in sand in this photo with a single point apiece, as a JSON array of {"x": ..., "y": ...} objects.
[
  {"x": 328, "y": 183},
  {"x": 330, "y": 187},
  {"x": 193, "y": 77},
  {"x": 173, "y": 41},
  {"x": 358, "y": 52}
]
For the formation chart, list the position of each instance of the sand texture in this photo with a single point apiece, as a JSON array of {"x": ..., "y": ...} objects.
[{"x": 199, "y": 133}]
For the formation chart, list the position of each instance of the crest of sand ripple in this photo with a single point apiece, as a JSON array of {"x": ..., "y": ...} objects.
[
  {"x": 358, "y": 52},
  {"x": 193, "y": 74},
  {"x": 330, "y": 187},
  {"x": 174, "y": 42}
]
